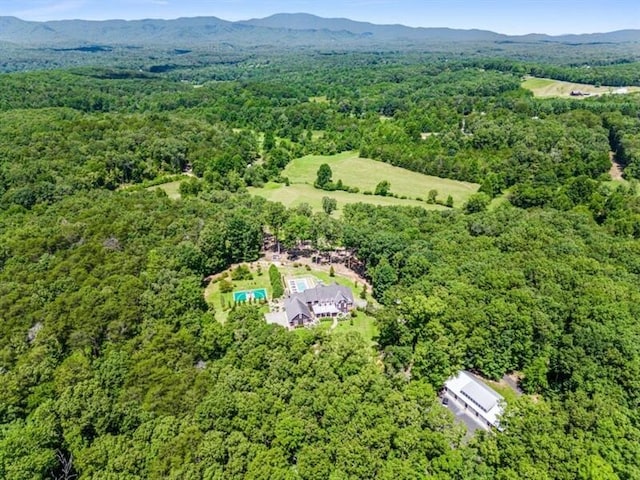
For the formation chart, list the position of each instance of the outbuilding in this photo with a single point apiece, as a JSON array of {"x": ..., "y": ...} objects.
[{"x": 476, "y": 398}]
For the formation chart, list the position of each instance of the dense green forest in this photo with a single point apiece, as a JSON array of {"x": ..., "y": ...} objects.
[{"x": 112, "y": 364}]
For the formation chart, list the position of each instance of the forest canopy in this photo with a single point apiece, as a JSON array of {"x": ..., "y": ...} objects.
[{"x": 113, "y": 365}]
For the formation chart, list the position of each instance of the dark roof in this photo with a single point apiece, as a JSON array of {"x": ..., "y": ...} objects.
[
  {"x": 294, "y": 307},
  {"x": 325, "y": 293},
  {"x": 297, "y": 303}
]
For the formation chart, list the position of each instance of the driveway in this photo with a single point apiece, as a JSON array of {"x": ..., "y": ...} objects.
[{"x": 464, "y": 416}]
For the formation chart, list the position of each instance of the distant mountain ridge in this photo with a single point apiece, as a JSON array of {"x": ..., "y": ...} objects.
[{"x": 298, "y": 29}]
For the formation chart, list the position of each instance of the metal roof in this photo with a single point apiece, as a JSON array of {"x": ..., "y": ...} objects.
[{"x": 481, "y": 395}]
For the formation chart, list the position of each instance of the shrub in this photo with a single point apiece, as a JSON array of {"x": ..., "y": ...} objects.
[
  {"x": 241, "y": 272},
  {"x": 276, "y": 282},
  {"x": 332, "y": 272},
  {"x": 383, "y": 188},
  {"x": 226, "y": 286},
  {"x": 477, "y": 202},
  {"x": 449, "y": 202},
  {"x": 363, "y": 292}
]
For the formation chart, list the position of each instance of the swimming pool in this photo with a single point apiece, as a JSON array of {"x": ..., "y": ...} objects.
[
  {"x": 248, "y": 295},
  {"x": 297, "y": 285}
]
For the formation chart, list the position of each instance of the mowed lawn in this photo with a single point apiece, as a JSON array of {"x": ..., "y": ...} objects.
[
  {"x": 548, "y": 88},
  {"x": 362, "y": 324},
  {"x": 171, "y": 188},
  {"x": 365, "y": 174},
  {"x": 298, "y": 193}
]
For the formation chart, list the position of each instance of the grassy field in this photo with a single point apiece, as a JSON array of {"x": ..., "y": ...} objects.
[
  {"x": 548, "y": 88},
  {"x": 354, "y": 172},
  {"x": 366, "y": 174},
  {"x": 362, "y": 324},
  {"x": 172, "y": 189},
  {"x": 295, "y": 194}
]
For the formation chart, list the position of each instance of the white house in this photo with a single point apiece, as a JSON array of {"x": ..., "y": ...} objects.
[{"x": 480, "y": 401}]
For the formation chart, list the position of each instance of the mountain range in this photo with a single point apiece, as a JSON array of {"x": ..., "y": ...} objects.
[{"x": 280, "y": 29}]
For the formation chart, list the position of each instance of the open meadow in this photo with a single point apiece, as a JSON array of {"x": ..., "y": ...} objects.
[
  {"x": 549, "y": 88},
  {"x": 295, "y": 194},
  {"x": 364, "y": 174},
  {"x": 172, "y": 189}
]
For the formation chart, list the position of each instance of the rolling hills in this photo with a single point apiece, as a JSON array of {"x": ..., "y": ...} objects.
[{"x": 295, "y": 29}]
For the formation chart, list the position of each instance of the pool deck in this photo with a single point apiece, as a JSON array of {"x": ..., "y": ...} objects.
[{"x": 294, "y": 283}]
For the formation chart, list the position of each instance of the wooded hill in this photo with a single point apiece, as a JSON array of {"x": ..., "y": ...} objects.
[
  {"x": 112, "y": 364},
  {"x": 294, "y": 29}
]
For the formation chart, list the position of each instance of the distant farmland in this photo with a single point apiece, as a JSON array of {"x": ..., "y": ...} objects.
[{"x": 548, "y": 88}]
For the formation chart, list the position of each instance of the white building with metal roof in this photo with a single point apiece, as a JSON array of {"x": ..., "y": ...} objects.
[{"x": 480, "y": 401}]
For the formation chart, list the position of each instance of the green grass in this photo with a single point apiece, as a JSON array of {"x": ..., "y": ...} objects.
[
  {"x": 171, "y": 188},
  {"x": 533, "y": 83},
  {"x": 295, "y": 194},
  {"x": 362, "y": 324},
  {"x": 506, "y": 391},
  {"x": 365, "y": 174},
  {"x": 499, "y": 200}
]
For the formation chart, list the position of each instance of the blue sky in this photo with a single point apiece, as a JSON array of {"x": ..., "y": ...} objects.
[{"x": 504, "y": 16}]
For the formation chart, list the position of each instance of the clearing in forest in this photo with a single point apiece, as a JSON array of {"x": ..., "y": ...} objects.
[
  {"x": 259, "y": 281},
  {"x": 549, "y": 88},
  {"x": 172, "y": 189},
  {"x": 298, "y": 193},
  {"x": 365, "y": 174}
]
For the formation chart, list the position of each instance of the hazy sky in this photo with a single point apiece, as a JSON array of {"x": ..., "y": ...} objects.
[{"x": 504, "y": 16}]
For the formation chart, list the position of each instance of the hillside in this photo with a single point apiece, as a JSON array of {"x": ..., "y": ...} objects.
[
  {"x": 365, "y": 174},
  {"x": 294, "y": 29},
  {"x": 120, "y": 360}
]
